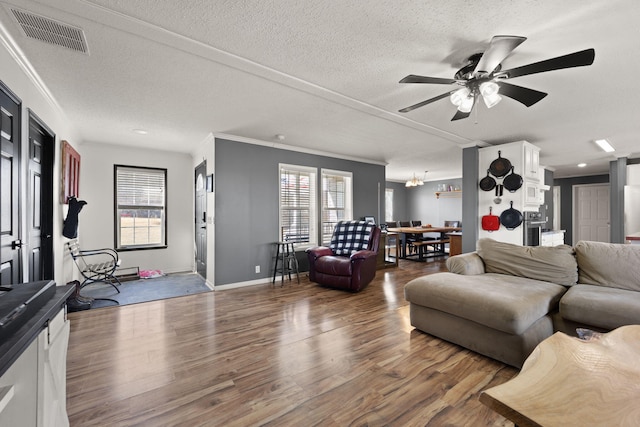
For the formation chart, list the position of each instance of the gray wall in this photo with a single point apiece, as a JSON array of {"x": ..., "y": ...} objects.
[
  {"x": 424, "y": 206},
  {"x": 547, "y": 208},
  {"x": 420, "y": 203},
  {"x": 566, "y": 199},
  {"x": 400, "y": 212},
  {"x": 246, "y": 203}
]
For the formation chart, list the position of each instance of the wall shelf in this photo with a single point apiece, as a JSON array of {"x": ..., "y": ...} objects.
[{"x": 452, "y": 193}]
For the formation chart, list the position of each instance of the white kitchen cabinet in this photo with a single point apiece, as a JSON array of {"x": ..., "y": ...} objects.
[
  {"x": 19, "y": 390},
  {"x": 552, "y": 238},
  {"x": 33, "y": 389},
  {"x": 531, "y": 168},
  {"x": 52, "y": 373}
]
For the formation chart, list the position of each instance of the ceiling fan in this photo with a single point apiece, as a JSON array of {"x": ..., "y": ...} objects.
[{"x": 483, "y": 77}]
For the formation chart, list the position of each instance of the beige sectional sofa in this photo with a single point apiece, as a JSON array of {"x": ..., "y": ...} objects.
[{"x": 504, "y": 299}]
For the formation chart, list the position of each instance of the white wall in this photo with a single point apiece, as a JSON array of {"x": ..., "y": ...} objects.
[
  {"x": 96, "y": 220},
  {"x": 34, "y": 97},
  {"x": 633, "y": 174},
  {"x": 424, "y": 206}
]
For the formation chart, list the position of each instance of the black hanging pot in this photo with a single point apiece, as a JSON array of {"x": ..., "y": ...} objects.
[
  {"x": 500, "y": 166},
  {"x": 487, "y": 183},
  {"x": 511, "y": 218},
  {"x": 512, "y": 182}
]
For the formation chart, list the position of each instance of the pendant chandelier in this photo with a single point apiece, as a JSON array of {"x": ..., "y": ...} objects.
[{"x": 415, "y": 181}]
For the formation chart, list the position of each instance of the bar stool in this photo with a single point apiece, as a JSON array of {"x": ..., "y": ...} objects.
[{"x": 286, "y": 254}]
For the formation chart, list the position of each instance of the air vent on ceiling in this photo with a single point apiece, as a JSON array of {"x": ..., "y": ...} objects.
[{"x": 51, "y": 31}]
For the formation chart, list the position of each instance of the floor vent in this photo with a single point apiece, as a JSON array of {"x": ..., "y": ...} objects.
[{"x": 51, "y": 31}]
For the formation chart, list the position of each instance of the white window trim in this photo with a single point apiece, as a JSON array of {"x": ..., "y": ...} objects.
[
  {"x": 388, "y": 206},
  {"x": 348, "y": 195},
  {"x": 313, "y": 210},
  {"x": 163, "y": 243}
]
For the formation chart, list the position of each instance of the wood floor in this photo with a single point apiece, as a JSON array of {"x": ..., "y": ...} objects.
[{"x": 298, "y": 355}]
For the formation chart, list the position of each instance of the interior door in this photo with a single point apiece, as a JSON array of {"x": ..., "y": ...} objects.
[
  {"x": 591, "y": 213},
  {"x": 40, "y": 200},
  {"x": 10, "y": 243},
  {"x": 201, "y": 218}
]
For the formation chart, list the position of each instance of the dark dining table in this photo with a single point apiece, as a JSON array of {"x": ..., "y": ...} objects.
[{"x": 439, "y": 242}]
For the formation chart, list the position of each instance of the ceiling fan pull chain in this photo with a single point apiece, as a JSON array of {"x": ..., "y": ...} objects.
[{"x": 475, "y": 114}]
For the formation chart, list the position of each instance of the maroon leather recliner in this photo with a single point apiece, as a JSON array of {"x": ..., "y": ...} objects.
[{"x": 350, "y": 261}]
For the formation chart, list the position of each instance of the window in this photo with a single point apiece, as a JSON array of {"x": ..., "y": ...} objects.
[
  {"x": 336, "y": 201},
  {"x": 388, "y": 204},
  {"x": 140, "y": 207},
  {"x": 298, "y": 204}
]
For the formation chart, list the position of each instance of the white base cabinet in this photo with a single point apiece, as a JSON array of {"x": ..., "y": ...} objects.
[
  {"x": 552, "y": 238},
  {"x": 33, "y": 389}
]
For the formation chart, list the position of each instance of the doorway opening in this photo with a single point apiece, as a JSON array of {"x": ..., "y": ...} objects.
[{"x": 201, "y": 219}]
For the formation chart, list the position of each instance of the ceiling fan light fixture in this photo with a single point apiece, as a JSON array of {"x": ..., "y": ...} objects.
[
  {"x": 492, "y": 100},
  {"x": 466, "y": 105},
  {"x": 489, "y": 88},
  {"x": 458, "y": 97},
  {"x": 489, "y": 92}
]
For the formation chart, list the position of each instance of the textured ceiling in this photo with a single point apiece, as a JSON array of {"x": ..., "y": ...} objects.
[{"x": 325, "y": 74}]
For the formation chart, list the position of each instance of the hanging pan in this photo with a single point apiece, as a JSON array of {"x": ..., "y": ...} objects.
[
  {"x": 500, "y": 166},
  {"x": 512, "y": 182},
  {"x": 498, "y": 198},
  {"x": 511, "y": 218},
  {"x": 490, "y": 222},
  {"x": 487, "y": 183}
]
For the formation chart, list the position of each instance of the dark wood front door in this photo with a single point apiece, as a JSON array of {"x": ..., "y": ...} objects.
[
  {"x": 201, "y": 218},
  {"x": 40, "y": 200},
  {"x": 10, "y": 243}
]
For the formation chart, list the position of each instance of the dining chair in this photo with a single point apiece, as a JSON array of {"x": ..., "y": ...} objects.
[{"x": 391, "y": 240}]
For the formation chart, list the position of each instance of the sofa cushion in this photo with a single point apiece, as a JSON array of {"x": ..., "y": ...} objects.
[
  {"x": 333, "y": 265},
  {"x": 599, "y": 306},
  {"x": 508, "y": 303},
  {"x": 351, "y": 236},
  {"x": 555, "y": 264},
  {"x": 614, "y": 265},
  {"x": 469, "y": 263}
]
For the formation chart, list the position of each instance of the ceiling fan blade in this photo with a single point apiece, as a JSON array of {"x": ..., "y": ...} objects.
[
  {"x": 499, "y": 49},
  {"x": 412, "y": 78},
  {"x": 423, "y": 103},
  {"x": 460, "y": 115},
  {"x": 521, "y": 94},
  {"x": 576, "y": 59}
]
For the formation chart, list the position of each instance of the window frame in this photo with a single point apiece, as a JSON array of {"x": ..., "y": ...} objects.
[
  {"x": 388, "y": 204},
  {"x": 325, "y": 238},
  {"x": 313, "y": 203},
  {"x": 164, "y": 223}
]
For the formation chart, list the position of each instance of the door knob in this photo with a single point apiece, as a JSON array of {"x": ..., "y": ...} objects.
[{"x": 16, "y": 244}]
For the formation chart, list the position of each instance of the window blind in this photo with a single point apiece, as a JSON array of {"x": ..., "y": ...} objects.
[
  {"x": 336, "y": 201},
  {"x": 140, "y": 199},
  {"x": 297, "y": 204}
]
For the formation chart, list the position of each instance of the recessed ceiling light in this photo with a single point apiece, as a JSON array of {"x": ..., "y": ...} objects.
[
  {"x": 604, "y": 144},
  {"x": 140, "y": 131},
  {"x": 581, "y": 165}
]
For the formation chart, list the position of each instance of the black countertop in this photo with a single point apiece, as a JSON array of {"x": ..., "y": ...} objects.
[{"x": 13, "y": 347}]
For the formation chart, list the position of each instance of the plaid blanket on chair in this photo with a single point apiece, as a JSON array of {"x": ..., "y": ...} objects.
[{"x": 351, "y": 236}]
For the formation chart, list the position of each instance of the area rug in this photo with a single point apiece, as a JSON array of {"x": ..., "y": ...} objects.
[{"x": 143, "y": 290}]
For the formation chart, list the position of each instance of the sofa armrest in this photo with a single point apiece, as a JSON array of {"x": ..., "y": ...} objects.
[
  {"x": 363, "y": 254},
  {"x": 468, "y": 264},
  {"x": 319, "y": 251}
]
